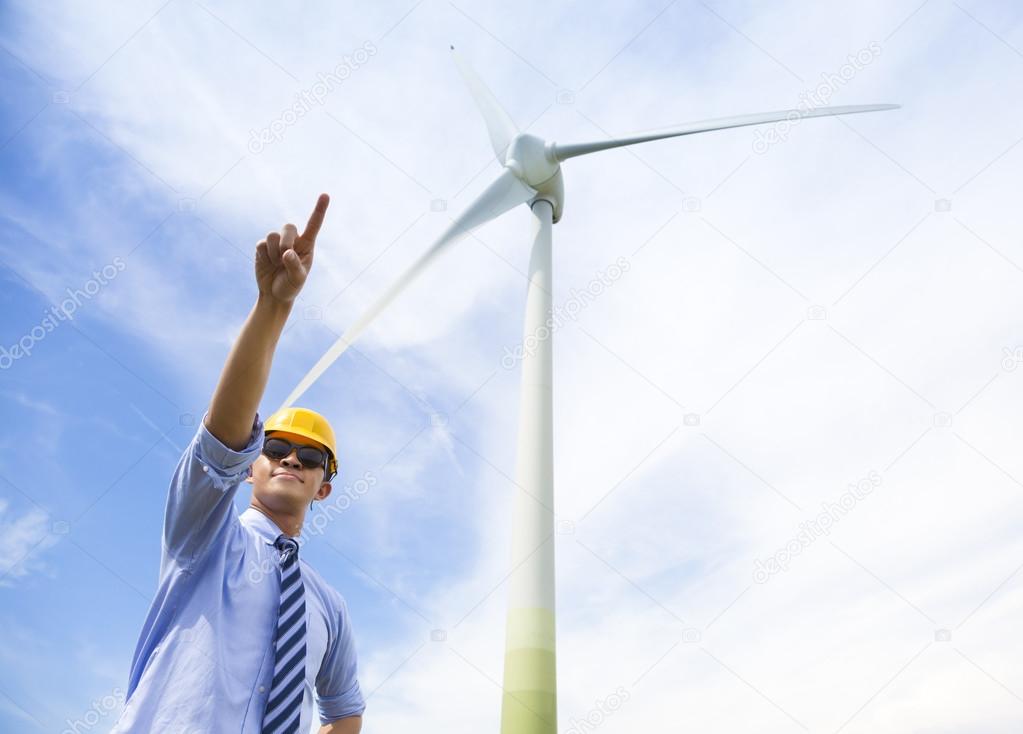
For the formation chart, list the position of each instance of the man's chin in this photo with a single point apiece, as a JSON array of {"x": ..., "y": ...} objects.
[{"x": 280, "y": 498}]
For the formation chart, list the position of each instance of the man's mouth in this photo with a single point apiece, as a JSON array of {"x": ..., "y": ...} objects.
[{"x": 287, "y": 475}]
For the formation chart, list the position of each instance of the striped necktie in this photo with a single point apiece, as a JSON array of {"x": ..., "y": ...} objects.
[{"x": 284, "y": 704}]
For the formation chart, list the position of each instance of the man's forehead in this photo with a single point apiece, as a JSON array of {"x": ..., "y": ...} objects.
[{"x": 295, "y": 438}]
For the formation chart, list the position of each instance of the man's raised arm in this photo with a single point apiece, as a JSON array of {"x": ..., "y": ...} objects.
[{"x": 283, "y": 261}]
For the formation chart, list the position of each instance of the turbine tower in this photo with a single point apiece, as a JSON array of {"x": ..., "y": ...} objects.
[{"x": 532, "y": 174}]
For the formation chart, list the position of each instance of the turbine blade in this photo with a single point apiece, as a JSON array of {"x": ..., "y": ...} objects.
[
  {"x": 502, "y": 194},
  {"x": 571, "y": 150},
  {"x": 499, "y": 124}
]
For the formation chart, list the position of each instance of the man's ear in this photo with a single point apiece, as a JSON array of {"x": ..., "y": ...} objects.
[{"x": 325, "y": 488}]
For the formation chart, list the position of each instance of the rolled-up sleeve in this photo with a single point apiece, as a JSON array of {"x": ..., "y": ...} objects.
[
  {"x": 200, "y": 502},
  {"x": 337, "y": 684}
]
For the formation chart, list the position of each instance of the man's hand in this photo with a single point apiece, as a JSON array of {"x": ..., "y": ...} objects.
[
  {"x": 282, "y": 264},
  {"x": 284, "y": 258}
]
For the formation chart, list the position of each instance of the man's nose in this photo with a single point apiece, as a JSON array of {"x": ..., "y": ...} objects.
[{"x": 292, "y": 459}]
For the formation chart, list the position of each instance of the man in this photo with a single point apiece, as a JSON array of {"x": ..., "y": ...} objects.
[{"x": 242, "y": 630}]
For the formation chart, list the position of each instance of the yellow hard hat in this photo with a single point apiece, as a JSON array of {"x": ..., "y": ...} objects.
[{"x": 307, "y": 423}]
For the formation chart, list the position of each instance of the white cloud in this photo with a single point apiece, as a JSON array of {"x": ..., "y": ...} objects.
[{"x": 23, "y": 540}]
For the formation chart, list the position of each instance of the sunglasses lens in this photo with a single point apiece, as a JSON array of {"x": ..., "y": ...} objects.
[
  {"x": 276, "y": 448},
  {"x": 309, "y": 456}
]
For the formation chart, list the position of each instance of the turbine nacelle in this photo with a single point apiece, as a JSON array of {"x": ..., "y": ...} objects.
[{"x": 533, "y": 162}]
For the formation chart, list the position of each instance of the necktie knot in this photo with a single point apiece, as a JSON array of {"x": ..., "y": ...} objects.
[{"x": 286, "y": 546}]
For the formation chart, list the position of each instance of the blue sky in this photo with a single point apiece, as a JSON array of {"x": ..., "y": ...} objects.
[{"x": 846, "y": 302}]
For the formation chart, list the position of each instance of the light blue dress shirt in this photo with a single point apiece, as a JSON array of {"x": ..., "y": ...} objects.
[{"x": 205, "y": 657}]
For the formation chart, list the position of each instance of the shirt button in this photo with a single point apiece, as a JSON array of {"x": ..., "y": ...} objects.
[
  {"x": 262, "y": 688},
  {"x": 205, "y": 468}
]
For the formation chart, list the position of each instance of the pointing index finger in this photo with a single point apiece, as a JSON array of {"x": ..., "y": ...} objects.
[{"x": 312, "y": 227}]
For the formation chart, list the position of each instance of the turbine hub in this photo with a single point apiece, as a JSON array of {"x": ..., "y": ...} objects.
[{"x": 531, "y": 159}]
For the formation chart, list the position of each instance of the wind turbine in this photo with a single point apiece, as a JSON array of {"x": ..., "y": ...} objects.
[{"x": 532, "y": 174}]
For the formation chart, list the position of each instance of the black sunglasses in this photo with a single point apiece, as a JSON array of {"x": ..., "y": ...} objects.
[{"x": 309, "y": 456}]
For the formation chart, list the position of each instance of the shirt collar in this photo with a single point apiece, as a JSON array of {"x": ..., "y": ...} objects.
[{"x": 265, "y": 527}]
